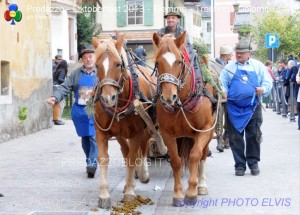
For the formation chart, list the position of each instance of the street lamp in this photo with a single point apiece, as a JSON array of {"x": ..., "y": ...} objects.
[{"x": 236, "y": 7}]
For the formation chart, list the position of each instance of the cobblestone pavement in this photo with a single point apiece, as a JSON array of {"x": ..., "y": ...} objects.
[{"x": 45, "y": 172}]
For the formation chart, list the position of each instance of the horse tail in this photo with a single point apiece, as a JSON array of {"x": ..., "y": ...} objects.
[{"x": 184, "y": 146}]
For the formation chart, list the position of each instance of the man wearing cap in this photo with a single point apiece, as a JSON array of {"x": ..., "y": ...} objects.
[
  {"x": 222, "y": 139},
  {"x": 225, "y": 55},
  {"x": 244, "y": 81},
  {"x": 173, "y": 28},
  {"x": 82, "y": 81}
]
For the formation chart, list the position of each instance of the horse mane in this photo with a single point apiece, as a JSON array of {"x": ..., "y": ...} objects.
[
  {"x": 109, "y": 46},
  {"x": 167, "y": 44}
]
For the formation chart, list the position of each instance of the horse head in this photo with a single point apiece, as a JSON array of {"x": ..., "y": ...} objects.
[
  {"x": 170, "y": 65},
  {"x": 111, "y": 61}
]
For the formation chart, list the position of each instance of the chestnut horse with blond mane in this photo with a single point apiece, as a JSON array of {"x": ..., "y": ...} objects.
[
  {"x": 115, "y": 114},
  {"x": 185, "y": 111}
]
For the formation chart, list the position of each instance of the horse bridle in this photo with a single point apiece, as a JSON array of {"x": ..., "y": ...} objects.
[
  {"x": 111, "y": 82},
  {"x": 169, "y": 78}
]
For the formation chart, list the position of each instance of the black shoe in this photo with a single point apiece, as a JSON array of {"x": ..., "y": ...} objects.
[
  {"x": 239, "y": 171},
  {"x": 254, "y": 169},
  {"x": 220, "y": 148},
  {"x": 58, "y": 122},
  {"x": 209, "y": 153},
  {"x": 90, "y": 171}
]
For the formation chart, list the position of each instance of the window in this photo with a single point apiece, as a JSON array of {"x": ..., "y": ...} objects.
[
  {"x": 135, "y": 12},
  {"x": 208, "y": 26},
  {"x": 60, "y": 52},
  {"x": 197, "y": 20},
  {"x": 4, "y": 76},
  {"x": 5, "y": 85}
]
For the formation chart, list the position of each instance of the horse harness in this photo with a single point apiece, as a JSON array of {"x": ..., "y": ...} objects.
[
  {"x": 193, "y": 101},
  {"x": 134, "y": 91}
]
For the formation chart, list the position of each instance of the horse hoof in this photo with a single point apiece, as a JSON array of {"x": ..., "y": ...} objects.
[
  {"x": 190, "y": 200},
  {"x": 136, "y": 175},
  {"x": 145, "y": 181},
  {"x": 202, "y": 191},
  {"x": 128, "y": 198},
  {"x": 104, "y": 203},
  {"x": 177, "y": 202}
]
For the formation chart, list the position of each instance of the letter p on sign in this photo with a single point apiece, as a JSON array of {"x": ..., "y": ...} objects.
[{"x": 272, "y": 41}]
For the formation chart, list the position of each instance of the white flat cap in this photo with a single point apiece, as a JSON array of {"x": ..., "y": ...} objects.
[{"x": 226, "y": 49}]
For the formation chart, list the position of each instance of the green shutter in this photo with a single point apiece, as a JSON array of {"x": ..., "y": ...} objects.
[
  {"x": 121, "y": 14},
  {"x": 148, "y": 12},
  {"x": 182, "y": 23}
]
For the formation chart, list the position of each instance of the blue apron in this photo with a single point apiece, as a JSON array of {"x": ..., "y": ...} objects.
[
  {"x": 84, "y": 125},
  {"x": 242, "y": 99}
]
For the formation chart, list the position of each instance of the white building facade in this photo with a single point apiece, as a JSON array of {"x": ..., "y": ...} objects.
[{"x": 64, "y": 29}]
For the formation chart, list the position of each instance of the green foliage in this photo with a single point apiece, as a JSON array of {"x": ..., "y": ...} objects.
[
  {"x": 245, "y": 30},
  {"x": 66, "y": 113},
  {"x": 286, "y": 24},
  {"x": 203, "y": 59},
  {"x": 86, "y": 27},
  {"x": 22, "y": 114},
  {"x": 201, "y": 48}
]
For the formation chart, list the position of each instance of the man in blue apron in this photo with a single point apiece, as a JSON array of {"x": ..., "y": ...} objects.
[
  {"x": 244, "y": 81},
  {"x": 82, "y": 81}
]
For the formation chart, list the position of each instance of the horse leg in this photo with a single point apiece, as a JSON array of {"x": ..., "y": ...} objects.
[
  {"x": 124, "y": 146},
  {"x": 202, "y": 186},
  {"x": 175, "y": 162},
  {"x": 134, "y": 144},
  {"x": 103, "y": 160},
  {"x": 201, "y": 141},
  {"x": 124, "y": 149},
  {"x": 142, "y": 170}
]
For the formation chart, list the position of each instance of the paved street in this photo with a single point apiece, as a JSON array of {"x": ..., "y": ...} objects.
[{"x": 45, "y": 171}]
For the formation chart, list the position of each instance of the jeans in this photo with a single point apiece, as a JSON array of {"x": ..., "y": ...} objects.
[
  {"x": 90, "y": 149},
  {"x": 253, "y": 138},
  {"x": 298, "y": 108}
]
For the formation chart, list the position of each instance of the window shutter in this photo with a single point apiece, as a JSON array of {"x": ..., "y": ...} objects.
[
  {"x": 121, "y": 14},
  {"x": 148, "y": 12}
]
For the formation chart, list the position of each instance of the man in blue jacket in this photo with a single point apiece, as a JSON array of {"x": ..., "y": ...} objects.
[
  {"x": 82, "y": 81},
  {"x": 244, "y": 81},
  {"x": 141, "y": 54}
]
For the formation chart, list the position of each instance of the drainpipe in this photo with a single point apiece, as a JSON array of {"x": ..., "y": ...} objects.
[{"x": 213, "y": 29}]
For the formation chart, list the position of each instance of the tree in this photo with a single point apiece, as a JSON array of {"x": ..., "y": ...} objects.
[
  {"x": 86, "y": 26},
  {"x": 282, "y": 22}
]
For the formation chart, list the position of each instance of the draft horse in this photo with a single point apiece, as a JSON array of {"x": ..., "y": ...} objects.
[
  {"x": 115, "y": 116},
  {"x": 184, "y": 110}
]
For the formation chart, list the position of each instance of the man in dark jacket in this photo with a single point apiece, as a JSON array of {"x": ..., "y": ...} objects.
[
  {"x": 222, "y": 138},
  {"x": 141, "y": 54},
  {"x": 59, "y": 76}
]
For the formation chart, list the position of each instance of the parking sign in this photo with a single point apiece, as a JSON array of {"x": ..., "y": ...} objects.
[{"x": 272, "y": 41}]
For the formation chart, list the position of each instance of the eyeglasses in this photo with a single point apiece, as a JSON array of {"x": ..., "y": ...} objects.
[{"x": 59, "y": 59}]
